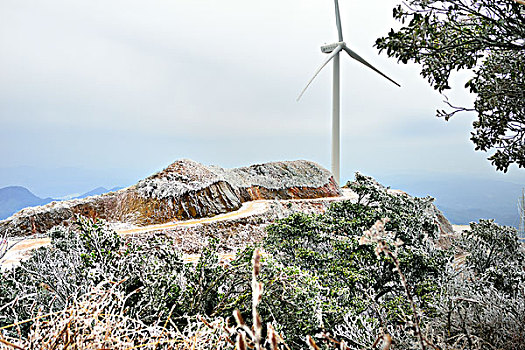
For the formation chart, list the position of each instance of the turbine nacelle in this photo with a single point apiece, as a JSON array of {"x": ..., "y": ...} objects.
[
  {"x": 334, "y": 50},
  {"x": 331, "y": 47}
]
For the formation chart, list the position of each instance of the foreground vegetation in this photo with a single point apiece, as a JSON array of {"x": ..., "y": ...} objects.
[{"x": 364, "y": 275}]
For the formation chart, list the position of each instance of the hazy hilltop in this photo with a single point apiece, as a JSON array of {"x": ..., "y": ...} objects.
[
  {"x": 61, "y": 182},
  {"x": 14, "y": 198},
  {"x": 96, "y": 192}
]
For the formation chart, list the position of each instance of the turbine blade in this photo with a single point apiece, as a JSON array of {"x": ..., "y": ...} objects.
[
  {"x": 362, "y": 60},
  {"x": 338, "y": 20},
  {"x": 332, "y": 55}
]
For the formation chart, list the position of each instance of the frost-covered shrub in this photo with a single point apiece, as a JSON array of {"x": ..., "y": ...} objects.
[
  {"x": 355, "y": 282},
  {"x": 81, "y": 258},
  {"x": 98, "y": 320},
  {"x": 494, "y": 254},
  {"x": 482, "y": 303},
  {"x": 150, "y": 273}
]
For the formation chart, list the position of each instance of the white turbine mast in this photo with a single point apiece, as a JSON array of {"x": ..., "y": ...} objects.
[
  {"x": 521, "y": 211},
  {"x": 333, "y": 50}
]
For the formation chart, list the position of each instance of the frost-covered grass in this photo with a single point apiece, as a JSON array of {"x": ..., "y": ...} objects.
[{"x": 366, "y": 275}]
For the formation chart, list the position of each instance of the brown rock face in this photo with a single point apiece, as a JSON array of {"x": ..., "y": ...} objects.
[
  {"x": 282, "y": 180},
  {"x": 184, "y": 190}
]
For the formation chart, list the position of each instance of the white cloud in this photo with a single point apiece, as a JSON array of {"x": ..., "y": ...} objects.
[{"x": 159, "y": 80}]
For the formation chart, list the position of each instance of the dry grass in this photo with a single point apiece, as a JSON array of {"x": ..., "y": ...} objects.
[
  {"x": 98, "y": 321},
  {"x": 251, "y": 338}
]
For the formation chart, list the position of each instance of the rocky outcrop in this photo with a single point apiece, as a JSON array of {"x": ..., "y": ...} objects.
[
  {"x": 281, "y": 180},
  {"x": 184, "y": 190}
]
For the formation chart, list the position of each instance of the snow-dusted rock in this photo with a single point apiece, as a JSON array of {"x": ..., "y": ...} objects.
[{"x": 184, "y": 190}]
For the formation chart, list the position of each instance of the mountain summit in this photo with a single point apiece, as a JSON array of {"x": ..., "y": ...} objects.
[{"x": 184, "y": 190}]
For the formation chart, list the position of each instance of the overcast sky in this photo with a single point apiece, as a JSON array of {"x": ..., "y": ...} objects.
[{"x": 125, "y": 87}]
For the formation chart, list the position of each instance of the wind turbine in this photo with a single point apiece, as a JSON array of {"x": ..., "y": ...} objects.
[{"x": 333, "y": 50}]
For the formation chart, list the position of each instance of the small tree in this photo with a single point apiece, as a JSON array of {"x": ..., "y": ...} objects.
[{"x": 486, "y": 37}]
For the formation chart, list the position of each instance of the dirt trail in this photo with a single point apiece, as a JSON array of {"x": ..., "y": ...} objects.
[
  {"x": 248, "y": 208},
  {"x": 20, "y": 247}
]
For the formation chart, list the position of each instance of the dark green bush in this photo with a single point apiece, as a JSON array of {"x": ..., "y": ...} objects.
[{"x": 350, "y": 278}]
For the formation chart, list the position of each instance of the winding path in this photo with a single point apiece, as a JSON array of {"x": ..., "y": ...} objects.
[{"x": 18, "y": 248}]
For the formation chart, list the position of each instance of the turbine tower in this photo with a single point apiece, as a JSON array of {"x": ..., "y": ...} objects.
[{"x": 333, "y": 50}]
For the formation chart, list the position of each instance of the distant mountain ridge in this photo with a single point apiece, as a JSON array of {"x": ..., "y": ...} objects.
[
  {"x": 461, "y": 198},
  {"x": 15, "y": 198},
  {"x": 98, "y": 191},
  {"x": 464, "y": 199}
]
